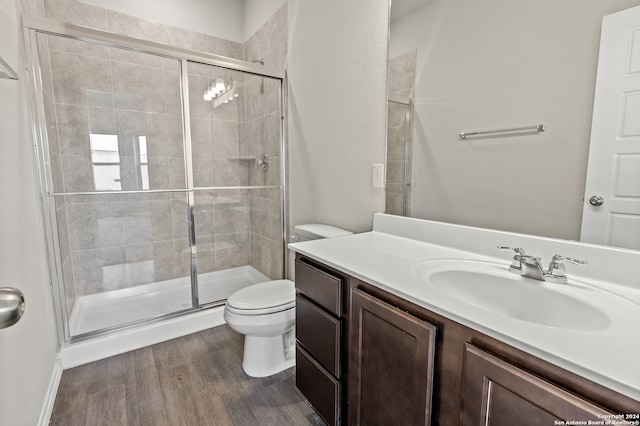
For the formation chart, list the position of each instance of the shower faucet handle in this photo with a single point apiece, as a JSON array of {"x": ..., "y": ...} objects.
[{"x": 263, "y": 162}]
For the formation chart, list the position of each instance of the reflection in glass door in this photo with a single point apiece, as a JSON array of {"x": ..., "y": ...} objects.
[{"x": 105, "y": 161}]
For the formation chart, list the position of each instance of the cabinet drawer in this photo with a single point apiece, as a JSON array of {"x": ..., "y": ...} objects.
[
  {"x": 323, "y": 288},
  {"x": 318, "y": 386},
  {"x": 319, "y": 333}
]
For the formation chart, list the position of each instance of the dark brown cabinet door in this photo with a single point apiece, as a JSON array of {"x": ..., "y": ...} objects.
[
  {"x": 391, "y": 363},
  {"x": 497, "y": 393}
]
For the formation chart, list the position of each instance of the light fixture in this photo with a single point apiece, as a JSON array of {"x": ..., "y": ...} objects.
[
  {"x": 220, "y": 85},
  {"x": 221, "y": 92}
]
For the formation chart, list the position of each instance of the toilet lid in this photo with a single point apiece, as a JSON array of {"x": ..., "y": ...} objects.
[{"x": 264, "y": 295}]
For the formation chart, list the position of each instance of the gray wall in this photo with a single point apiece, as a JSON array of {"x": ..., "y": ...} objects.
[
  {"x": 499, "y": 63},
  {"x": 337, "y": 110},
  {"x": 222, "y": 18}
]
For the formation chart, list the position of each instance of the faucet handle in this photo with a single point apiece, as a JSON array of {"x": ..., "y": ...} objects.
[
  {"x": 518, "y": 250},
  {"x": 556, "y": 272},
  {"x": 574, "y": 261},
  {"x": 516, "y": 262},
  {"x": 557, "y": 259}
]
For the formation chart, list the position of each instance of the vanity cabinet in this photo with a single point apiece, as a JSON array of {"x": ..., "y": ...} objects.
[
  {"x": 321, "y": 356},
  {"x": 460, "y": 376},
  {"x": 391, "y": 364}
]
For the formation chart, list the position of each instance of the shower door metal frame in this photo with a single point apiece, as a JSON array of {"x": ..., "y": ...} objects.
[{"x": 33, "y": 25}]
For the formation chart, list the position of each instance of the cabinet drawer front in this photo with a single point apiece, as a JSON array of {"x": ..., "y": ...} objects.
[
  {"x": 319, "y": 333},
  {"x": 323, "y": 288},
  {"x": 321, "y": 389}
]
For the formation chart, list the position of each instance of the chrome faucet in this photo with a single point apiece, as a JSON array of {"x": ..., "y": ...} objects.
[{"x": 531, "y": 267}]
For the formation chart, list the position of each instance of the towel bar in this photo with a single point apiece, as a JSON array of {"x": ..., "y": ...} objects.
[{"x": 531, "y": 128}]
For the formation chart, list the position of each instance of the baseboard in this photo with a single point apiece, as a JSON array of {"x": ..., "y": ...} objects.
[
  {"x": 118, "y": 343},
  {"x": 52, "y": 391}
]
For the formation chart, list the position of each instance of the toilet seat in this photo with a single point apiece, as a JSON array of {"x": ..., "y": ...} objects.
[{"x": 263, "y": 298}]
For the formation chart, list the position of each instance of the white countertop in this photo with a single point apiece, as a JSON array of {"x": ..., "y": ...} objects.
[{"x": 608, "y": 356}]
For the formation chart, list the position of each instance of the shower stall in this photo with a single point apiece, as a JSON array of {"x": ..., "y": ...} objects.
[
  {"x": 400, "y": 116},
  {"x": 399, "y": 155},
  {"x": 162, "y": 175}
]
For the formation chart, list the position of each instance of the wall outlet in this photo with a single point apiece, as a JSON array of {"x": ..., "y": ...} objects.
[{"x": 377, "y": 176}]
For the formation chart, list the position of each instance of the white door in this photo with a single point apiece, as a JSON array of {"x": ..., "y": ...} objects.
[
  {"x": 611, "y": 213},
  {"x": 28, "y": 348}
]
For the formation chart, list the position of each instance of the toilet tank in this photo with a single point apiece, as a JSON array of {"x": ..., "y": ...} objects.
[{"x": 315, "y": 231}]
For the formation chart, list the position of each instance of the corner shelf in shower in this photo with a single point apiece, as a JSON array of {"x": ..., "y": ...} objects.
[
  {"x": 262, "y": 161},
  {"x": 242, "y": 158}
]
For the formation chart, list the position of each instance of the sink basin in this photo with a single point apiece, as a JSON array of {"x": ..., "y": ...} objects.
[{"x": 490, "y": 286}]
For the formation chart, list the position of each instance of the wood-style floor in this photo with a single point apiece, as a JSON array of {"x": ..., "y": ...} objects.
[{"x": 193, "y": 380}]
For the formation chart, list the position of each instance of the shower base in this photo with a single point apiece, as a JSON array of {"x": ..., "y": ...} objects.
[{"x": 117, "y": 307}]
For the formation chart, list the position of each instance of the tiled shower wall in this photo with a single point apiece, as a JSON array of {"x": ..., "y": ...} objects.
[
  {"x": 263, "y": 120},
  {"x": 115, "y": 241},
  {"x": 402, "y": 72},
  {"x": 217, "y": 134}
]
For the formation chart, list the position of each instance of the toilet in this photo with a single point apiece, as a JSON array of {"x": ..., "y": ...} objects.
[{"x": 265, "y": 313}]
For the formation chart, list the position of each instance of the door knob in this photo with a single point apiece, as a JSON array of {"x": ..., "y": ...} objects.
[
  {"x": 596, "y": 200},
  {"x": 11, "y": 306}
]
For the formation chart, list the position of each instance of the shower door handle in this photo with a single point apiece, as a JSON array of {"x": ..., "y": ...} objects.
[{"x": 11, "y": 306}]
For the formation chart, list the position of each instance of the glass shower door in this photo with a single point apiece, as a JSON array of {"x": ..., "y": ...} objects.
[
  {"x": 115, "y": 176},
  {"x": 236, "y": 142}
]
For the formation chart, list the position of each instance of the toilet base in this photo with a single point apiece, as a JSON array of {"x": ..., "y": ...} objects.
[{"x": 265, "y": 356}]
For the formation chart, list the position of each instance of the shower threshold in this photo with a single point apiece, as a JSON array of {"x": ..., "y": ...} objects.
[{"x": 118, "y": 307}]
